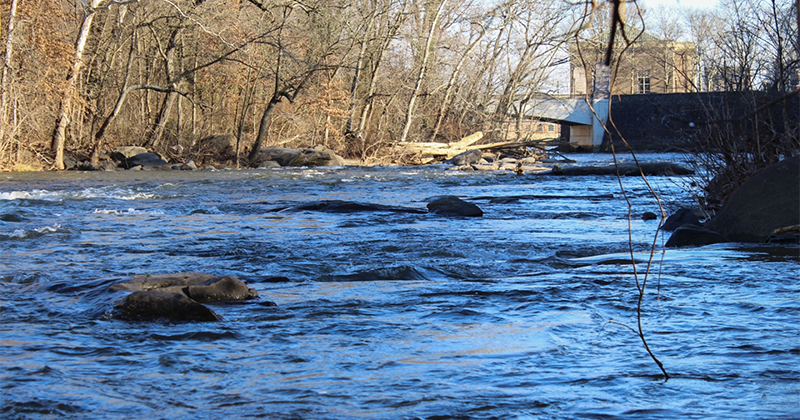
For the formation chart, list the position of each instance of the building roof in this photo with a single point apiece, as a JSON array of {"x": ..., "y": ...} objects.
[{"x": 575, "y": 111}]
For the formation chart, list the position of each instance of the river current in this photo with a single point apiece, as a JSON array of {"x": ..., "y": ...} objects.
[{"x": 520, "y": 314}]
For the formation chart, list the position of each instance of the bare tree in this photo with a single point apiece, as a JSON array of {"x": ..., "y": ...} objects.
[
  {"x": 5, "y": 83},
  {"x": 532, "y": 43},
  {"x": 296, "y": 62},
  {"x": 432, "y": 14},
  {"x": 59, "y": 134}
]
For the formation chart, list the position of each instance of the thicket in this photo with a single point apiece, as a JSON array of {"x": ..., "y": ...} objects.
[
  {"x": 740, "y": 137},
  {"x": 81, "y": 77}
]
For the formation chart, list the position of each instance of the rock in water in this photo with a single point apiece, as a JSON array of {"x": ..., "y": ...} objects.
[
  {"x": 681, "y": 217},
  {"x": 624, "y": 169},
  {"x": 179, "y": 296},
  {"x": 145, "y": 160},
  {"x": 466, "y": 158},
  {"x": 310, "y": 157},
  {"x": 450, "y": 205},
  {"x": 769, "y": 200},
  {"x": 763, "y": 205},
  {"x": 649, "y": 215},
  {"x": 220, "y": 289},
  {"x": 126, "y": 152},
  {"x": 691, "y": 235},
  {"x": 154, "y": 305}
]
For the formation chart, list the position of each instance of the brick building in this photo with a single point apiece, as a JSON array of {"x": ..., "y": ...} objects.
[{"x": 649, "y": 65}]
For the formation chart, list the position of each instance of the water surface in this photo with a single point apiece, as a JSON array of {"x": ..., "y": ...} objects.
[{"x": 384, "y": 314}]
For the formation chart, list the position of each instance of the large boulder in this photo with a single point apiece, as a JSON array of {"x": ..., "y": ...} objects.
[
  {"x": 769, "y": 200},
  {"x": 145, "y": 160},
  {"x": 450, "y": 205},
  {"x": 466, "y": 158},
  {"x": 309, "y": 157},
  {"x": 178, "y": 297},
  {"x": 126, "y": 152},
  {"x": 765, "y": 208},
  {"x": 692, "y": 235},
  {"x": 681, "y": 217}
]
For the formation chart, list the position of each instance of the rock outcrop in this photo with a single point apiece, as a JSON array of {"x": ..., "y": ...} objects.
[{"x": 126, "y": 152}]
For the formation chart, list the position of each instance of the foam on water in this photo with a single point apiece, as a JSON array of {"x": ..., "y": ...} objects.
[{"x": 111, "y": 193}]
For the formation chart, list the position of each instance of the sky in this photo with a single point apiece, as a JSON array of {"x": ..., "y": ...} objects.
[{"x": 680, "y": 4}]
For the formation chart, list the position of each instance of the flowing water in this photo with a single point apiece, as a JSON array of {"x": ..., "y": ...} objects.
[{"x": 387, "y": 315}]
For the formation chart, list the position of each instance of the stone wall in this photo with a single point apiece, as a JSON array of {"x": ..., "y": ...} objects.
[{"x": 665, "y": 122}]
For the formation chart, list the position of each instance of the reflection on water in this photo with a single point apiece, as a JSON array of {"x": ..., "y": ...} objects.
[{"x": 384, "y": 314}]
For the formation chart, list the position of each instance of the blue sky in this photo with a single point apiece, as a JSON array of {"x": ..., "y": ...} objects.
[{"x": 680, "y": 4}]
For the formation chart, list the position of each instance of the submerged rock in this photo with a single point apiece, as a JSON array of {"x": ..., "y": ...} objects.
[
  {"x": 179, "y": 296},
  {"x": 450, "y": 205},
  {"x": 625, "y": 169},
  {"x": 10, "y": 217},
  {"x": 342, "y": 206}
]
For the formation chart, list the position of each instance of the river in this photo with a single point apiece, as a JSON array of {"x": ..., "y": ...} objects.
[{"x": 387, "y": 315}]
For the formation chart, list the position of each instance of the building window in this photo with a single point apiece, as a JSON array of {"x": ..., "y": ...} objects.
[
  {"x": 551, "y": 127},
  {"x": 643, "y": 77},
  {"x": 539, "y": 128}
]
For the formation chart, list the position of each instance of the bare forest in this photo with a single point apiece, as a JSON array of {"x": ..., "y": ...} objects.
[{"x": 81, "y": 77}]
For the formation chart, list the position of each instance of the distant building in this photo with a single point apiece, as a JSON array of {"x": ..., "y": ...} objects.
[
  {"x": 649, "y": 65},
  {"x": 530, "y": 129}
]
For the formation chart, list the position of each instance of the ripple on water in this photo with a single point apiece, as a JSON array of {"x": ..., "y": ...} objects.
[{"x": 385, "y": 315}]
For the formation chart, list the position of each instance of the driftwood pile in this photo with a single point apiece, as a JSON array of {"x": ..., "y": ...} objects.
[{"x": 429, "y": 152}]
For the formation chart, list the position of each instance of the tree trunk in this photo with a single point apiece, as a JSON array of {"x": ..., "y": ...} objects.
[
  {"x": 422, "y": 71},
  {"x": 263, "y": 127},
  {"x": 451, "y": 84},
  {"x": 157, "y": 133},
  {"x": 98, "y": 137},
  {"x": 5, "y": 81},
  {"x": 59, "y": 134}
]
